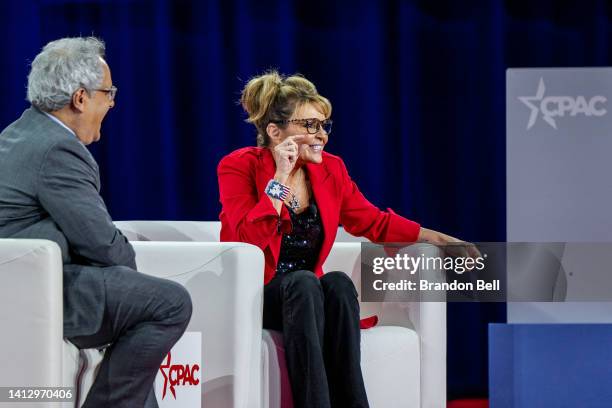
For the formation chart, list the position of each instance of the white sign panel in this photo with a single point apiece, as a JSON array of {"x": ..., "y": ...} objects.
[{"x": 559, "y": 178}]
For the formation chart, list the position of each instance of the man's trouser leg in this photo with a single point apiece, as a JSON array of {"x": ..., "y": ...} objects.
[{"x": 143, "y": 319}]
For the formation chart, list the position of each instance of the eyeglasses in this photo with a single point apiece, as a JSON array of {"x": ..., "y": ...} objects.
[
  {"x": 111, "y": 92},
  {"x": 312, "y": 125}
]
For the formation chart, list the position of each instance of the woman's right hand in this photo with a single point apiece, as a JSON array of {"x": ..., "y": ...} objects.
[{"x": 285, "y": 155}]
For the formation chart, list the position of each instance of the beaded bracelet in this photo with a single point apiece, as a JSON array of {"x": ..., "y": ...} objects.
[{"x": 277, "y": 190}]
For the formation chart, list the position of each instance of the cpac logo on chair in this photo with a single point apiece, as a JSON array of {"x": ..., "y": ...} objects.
[
  {"x": 178, "y": 382},
  {"x": 558, "y": 106}
]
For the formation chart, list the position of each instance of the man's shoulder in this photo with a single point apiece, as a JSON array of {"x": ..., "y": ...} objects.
[
  {"x": 35, "y": 146},
  {"x": 37, "y": 131}
]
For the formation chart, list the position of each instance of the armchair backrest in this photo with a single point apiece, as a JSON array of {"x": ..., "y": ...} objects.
[{"x": 202, "y": 231}]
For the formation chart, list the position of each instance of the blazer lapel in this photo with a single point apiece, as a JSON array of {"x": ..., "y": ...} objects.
[{"x": 324, "y": 197}]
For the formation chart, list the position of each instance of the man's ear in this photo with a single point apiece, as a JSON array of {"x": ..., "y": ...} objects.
[
  {"x": 273, "y": 131},
  {"x": 79, "y": 99}
]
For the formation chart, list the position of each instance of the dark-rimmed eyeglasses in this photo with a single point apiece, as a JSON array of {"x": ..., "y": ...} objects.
[
  {"x": 312, "y": 125},
  {"x": 111, "y": 92}
]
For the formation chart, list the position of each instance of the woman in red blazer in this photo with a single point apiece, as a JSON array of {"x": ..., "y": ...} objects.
[{"x": 288, "y": 196}]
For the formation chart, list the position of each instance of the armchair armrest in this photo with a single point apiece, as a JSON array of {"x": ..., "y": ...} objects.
[
  {"x": 31, "y": 297},
  {"x": 427, "y": 319},
  {"x": 225, "y": 281}
]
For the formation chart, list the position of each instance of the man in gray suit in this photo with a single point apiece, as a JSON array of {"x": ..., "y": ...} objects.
[{"x": 49, "y": 188}]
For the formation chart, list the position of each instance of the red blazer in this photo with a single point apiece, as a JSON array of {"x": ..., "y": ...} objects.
[{"x": 248, "y": 215}]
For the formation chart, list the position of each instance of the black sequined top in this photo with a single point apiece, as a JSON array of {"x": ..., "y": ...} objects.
[{"x": 300, "y": 249}]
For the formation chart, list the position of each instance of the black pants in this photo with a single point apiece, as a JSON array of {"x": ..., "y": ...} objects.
[
  {"x": 319, "y": 319},
  {"x": 143, "y": 318}
]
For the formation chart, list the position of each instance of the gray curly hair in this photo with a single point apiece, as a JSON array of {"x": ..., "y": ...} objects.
[{"x": 62, "y": 67}]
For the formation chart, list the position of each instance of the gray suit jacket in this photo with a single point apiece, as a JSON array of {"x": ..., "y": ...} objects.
[{"x": 49, "y": 189}]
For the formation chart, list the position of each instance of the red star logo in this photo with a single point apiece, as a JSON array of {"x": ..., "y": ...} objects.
[{"x": 167, "y": 365}]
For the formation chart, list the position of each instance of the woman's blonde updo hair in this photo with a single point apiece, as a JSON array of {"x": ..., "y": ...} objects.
[{"x": 271, "y": 97}]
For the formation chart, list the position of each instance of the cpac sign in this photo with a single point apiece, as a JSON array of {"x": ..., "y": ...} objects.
[
  {"x": 179, "y": 380},
  {"x": 559, "y": 106},
  {"x": 177, "y": 375}
]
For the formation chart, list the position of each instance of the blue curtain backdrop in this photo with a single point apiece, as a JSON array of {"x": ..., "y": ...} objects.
[{"x": 417, "y": 87}]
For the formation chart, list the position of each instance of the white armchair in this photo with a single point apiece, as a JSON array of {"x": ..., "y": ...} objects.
[
  {"x": 403, "y": 357},
  {"x": 32, "y": 349},
  {"x": 225, "y": 281}
]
